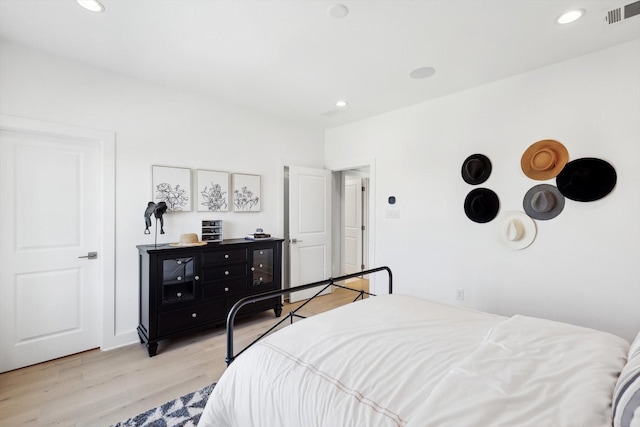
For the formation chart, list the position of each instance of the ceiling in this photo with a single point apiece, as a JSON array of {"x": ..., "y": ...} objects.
[{"x": 291, "y": 60}]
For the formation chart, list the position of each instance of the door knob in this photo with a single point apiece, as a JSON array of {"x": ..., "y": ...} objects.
[
  {"x": 90, "y": 255},
  {"x": 294, "y": 241}
]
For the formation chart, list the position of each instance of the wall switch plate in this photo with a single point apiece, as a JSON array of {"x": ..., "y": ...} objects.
[
  {"x": 392, "y": 213},
  {"x": 460, "y": 294}
]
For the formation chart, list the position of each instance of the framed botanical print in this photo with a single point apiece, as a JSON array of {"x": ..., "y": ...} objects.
[
  {"x": 172, "y": 186},
  {"x": 246, "y": 193},
  {"x": 213, "y": 191}
]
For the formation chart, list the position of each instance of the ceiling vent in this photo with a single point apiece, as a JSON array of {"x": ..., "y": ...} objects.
[
  {"x": 333, "y": 112},
  {"x": 621, "y": 13}
]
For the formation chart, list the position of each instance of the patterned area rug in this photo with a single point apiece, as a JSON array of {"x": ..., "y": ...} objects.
[{"x": 185, "y": 411}]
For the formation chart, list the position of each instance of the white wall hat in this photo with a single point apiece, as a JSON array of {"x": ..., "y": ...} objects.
[{"x": 516, "y": 230}]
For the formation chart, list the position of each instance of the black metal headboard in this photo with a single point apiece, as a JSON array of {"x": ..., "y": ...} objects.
[{"x": 279, "y": 292}]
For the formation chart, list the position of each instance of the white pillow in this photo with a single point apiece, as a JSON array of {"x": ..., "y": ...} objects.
[{"x": 626, "y": 395}]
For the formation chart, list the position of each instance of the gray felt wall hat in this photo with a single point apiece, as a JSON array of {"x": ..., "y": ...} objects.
[
  {"x": 476, "y": 169},
  {"x": 543, "y": 201}
]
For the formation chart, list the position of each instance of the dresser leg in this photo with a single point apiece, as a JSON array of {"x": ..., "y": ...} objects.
[
  {"x": 152, "y": 348},
  {"x": 278, "y": 310}
]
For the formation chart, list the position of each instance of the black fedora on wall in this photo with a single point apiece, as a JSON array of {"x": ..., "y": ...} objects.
[
  {"x": 476, "y": 169},
  {"x": 586, "y": 179},
  {"x": 481, "y": 205}
]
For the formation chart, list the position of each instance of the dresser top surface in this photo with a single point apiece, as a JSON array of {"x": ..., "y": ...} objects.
[{"x": 212, "y": 245}]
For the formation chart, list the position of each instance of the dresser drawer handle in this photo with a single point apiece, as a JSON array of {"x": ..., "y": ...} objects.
[
  {"x": 197, "y": 277},
  {"x": 194, "y": 315},
  {"x": 226, "y": 289},
  {"x": 179, "y": 261},
  {"x": 226, "y": 256},
  {"x": 179, "y": 277},
  {"x": 226, "y": 273},
  {"x": 179, "y": 294},
  {"x": 260, "y": 265},
  {"x": 253, "y": 269},
  {"x": 261, "y": 279}
]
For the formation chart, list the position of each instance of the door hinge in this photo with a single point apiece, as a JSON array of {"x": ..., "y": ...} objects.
[{"x": 363, "y": 228}]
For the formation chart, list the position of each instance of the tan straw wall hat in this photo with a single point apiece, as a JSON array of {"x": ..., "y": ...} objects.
[{"x": 544, "y": 159}]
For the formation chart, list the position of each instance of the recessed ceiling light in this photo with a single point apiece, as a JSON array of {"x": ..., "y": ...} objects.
[
  {"x": 571, "y": 16},
  {"x": 422, "y": 73},
  {"x": 341, "y": 103},
  {"x": 338, "y": 11},
  {"x": 92, "y": 5}
]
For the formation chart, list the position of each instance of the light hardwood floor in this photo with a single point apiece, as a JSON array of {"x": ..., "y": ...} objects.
[{"x": 97, "y": 388}]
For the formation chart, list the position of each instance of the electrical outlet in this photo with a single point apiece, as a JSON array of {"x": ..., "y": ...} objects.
[{"x": 460, "y": 294}]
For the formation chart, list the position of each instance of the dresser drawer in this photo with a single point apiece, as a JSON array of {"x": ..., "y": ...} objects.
[
  {"x": 254, "y": 307},
  {"x": 229, "y": 255},
  {"x": 222, "y": 288},
  {"x": 211, "y": 274},
  {"x": 176, "y": 320}
]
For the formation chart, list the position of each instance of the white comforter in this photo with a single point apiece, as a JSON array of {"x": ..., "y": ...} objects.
[{"x": 401, "y": 361}]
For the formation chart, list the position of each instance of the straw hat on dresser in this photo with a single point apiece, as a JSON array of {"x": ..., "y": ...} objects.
[{"x": 189, "y": 239}]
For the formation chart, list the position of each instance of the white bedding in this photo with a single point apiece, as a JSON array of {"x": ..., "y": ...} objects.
[{"x": 395, "y": 360}]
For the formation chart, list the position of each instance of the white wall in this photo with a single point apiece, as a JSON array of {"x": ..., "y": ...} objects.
[
  {"x": 155, "y": 126},
  {"x": 584, "y": 266}
]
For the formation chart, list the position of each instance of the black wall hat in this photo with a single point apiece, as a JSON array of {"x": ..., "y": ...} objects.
[
  {"x": 586, "y": 179},
  {"x": 481, "y": 205},
  {"x": 476, "y": 169}
]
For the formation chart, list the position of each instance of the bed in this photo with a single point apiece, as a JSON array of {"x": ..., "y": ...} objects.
[{"x": 396, "y": 360}]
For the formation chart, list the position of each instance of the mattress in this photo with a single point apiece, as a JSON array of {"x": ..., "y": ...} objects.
[{"x": 396, "y": 360}]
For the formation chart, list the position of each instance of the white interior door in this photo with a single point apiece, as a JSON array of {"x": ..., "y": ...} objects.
[
  {"x": 50, "y": 296},
  {"x": 352, "y": 225},
  {"x": 309, "y": 228}
]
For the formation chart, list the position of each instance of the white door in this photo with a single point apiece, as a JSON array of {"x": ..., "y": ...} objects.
[
  {"x": 309, "y": 228},
  {"x": 51, "y": 218},
  {"x": 352, "y": 225}
]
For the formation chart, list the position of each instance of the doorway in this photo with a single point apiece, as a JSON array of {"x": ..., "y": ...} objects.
[
  {"x": 354, "y": 221},
  {"x": 349, "y": 224}
]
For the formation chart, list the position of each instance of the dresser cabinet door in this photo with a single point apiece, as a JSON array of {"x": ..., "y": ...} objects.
[
  {"x": 262, "y": 269},
  {"x": 179, "y": 277}
]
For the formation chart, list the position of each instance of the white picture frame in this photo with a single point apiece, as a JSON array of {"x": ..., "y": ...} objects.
[
  {"x": 213, "y": 191},
  {"x": 246, "y": 193},
  {"x": 172, "y": 185}
]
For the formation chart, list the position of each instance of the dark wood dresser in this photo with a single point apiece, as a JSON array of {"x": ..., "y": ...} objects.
[{"x": 185, "y": 288}]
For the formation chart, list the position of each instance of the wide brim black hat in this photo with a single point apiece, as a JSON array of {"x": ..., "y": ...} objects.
[
  {"x": 476, "y": 169},
  {"x": 481, "y": 205},
  {"x": 586, "y": 179}
]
